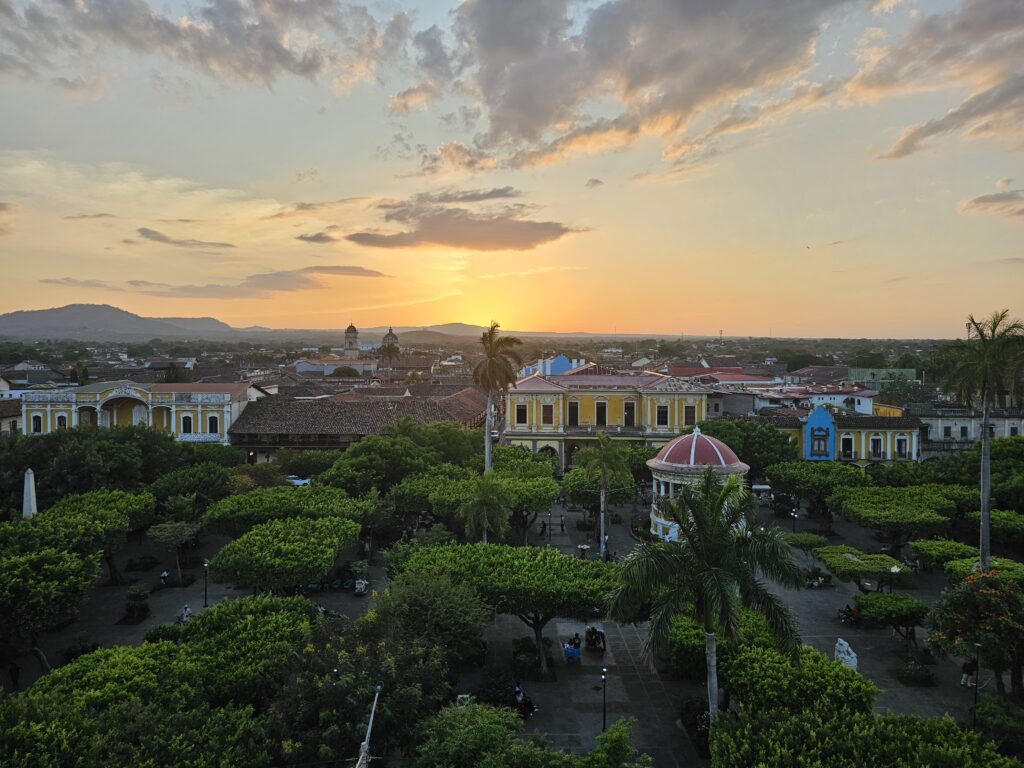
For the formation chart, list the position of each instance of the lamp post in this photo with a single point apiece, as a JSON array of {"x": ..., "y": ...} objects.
[
  {"x": 793, "y": 515},
  {"x": 206, "y": 584},
  {"x": 364, "y": 749},
  {"x": 549, "y": 526},
  {"x": 604, "y": 698}
]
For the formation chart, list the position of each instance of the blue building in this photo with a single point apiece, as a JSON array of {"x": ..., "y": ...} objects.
[{"x": 551, "y": 366}]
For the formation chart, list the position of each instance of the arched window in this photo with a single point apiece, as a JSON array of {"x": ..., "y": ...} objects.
[
  {"x": 213, "y": 425},
  {"x": 62, "y": 422},
  {"x": 37, "y": 423},
  {"x": 186, "y": 425}
]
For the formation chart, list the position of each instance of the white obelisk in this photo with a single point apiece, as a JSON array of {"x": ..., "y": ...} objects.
[{"x": 28, "y": 504}]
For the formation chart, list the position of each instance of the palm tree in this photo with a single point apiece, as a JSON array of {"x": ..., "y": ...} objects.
[
  {"x": 496, "y": 373},
  {"x": 604, "y": 460},
  {"x": 389, "y": 353},
  {"x": 487, "y": 509},
  {"x": 989, "y": 365},
  {"x": 710, "y": 572}
]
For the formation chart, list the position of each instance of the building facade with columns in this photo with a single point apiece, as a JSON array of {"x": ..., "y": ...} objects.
[
  {"x": 560, "y": 414},
  {"x": 198, "y": 413}
]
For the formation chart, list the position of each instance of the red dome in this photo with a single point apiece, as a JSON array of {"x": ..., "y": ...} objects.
[{"x": 695, "y": 450}]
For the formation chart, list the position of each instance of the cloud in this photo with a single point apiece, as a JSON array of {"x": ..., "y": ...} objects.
[
  {"x": 317, "y": 237},
  {"x": 417, "y": 97},
  {"x": 1008, "y": 202},
  {"x": 467, "y": 195},
  {"x": 1008, "y": 260},
  {"x": 976, "y": 47},
  {"x": 6, "y": 214},
  {"x": 252, "y": 286},
  {"x": 593, "y": 183},
  {"x": 307, "y": 175},
  {"x": 159, "y": 237},
  {"x": 1004, "y": 183},
  {"x": 428, "y": 223},
  {"x": 306, "y": 209},
  {"x": 84, "y": 216},
  {"x": 456, "y": 156},
  {"x": 71, "y": 282},
  {"x": 248, "y": 41},
  {"x": 656, "y": 67}
]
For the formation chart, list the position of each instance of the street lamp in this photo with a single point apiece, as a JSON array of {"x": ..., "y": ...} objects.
[
  {"x": 793, "y": 515},
  {"x": 206, "y": 584},
  {"x": 604, "y": 698},
  {"x": 549, "y": 526}
]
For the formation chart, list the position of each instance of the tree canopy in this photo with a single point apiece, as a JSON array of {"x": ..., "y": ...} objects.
[
  {"x": 237, "y": 514},
  {"x": 849, "y": 564},
  {"x": 756, "y": 444},
  {"x": 814, "y": 481},
  {"x": 283, "y": 555}
]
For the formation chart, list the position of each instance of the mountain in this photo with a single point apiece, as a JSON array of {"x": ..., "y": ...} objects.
[
  {"x": 90, "y": 322},
  {"x": 198, "y": 324}
]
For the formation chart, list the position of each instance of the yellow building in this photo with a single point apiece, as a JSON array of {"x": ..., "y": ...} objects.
[
  {"x": 827, "y": 435},
  {"x": 562, "y": 413},
  {"x": 200, "y": 413}
]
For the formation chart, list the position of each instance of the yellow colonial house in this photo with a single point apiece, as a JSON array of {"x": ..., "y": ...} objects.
[
  {"x": 832, "y": 435},
  {"x": 562, "y": 413},
  {"x": 199, "y": 413}
]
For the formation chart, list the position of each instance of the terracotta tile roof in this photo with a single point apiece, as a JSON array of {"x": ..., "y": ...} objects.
[{"x": 282, "y": 415}]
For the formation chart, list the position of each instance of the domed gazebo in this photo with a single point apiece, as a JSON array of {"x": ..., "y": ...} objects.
[{"x": 684, "y": 460}]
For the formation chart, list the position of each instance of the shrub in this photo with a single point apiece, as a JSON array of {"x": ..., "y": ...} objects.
[
  {"x": 1002, "y": 721},
  {"x": 685, "y": 656},
  {"x": 1010, "y": 570},
  {"x": 1007, "y": 526},
  {"x": 762, "y": 679},
  {"x": 237, "y": 514},
  {"x": 934, "y": 553},
  {"x": 915, "y": 674}
]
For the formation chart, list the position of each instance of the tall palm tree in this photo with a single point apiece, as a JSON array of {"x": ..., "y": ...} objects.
[
  {"x": 714, "y": 568},
  {"x": 604, "y": 460},
  {"x": 989, "y": 365},
  {"x": 487, "y": 509},
  {"x": 495, "y": 373},
  {"x": 389, "y": 353}
]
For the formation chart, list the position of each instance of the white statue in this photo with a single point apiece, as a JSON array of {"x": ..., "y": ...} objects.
[{"x": 844, "y": 653}]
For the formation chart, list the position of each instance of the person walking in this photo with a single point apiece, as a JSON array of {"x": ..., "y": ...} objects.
[{"x": 969, "y": 672}]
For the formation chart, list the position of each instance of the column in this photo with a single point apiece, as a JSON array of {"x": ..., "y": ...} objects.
[{"x": 174, "y": 419}]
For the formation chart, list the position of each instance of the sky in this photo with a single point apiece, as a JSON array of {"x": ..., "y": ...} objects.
[{"x": 786, "y": 168}]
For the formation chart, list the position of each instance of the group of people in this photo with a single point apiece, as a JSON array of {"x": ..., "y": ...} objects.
[{"x": 851, "y": 616}]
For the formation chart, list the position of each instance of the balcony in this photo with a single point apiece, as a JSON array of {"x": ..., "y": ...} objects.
[
  {"x": 847, "y": 455},
  {"x": 946, "y": 445},
  {"x": 608, "y": 429},
  {"x": 199, "y": 437}
]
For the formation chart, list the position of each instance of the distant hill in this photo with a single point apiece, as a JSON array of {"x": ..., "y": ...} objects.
[
  {"x": 101, "y": 322},
  {"x": 90, "y": 322}
]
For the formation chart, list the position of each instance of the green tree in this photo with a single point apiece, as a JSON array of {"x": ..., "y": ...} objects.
[
  {"x": 901, "y": 612},
  {"x": 487, "y": 507},
  {"x": 378, "y": 462},
  {"x": 935, "y": 553},
  {"x": 896, "y": 513},
  {"x": 903, "y": 392},
  {"x": 480, "y": 736},
  {"x": 849, "y": 564},
  {"x": 176, "y": 375},
  {"x": 237, "y": 514},
  {"x": 536, "y": 584},
  {"x": 208, "y": 482},
  {"x": 320, "y": 715},
  {"x": 345, "y": 372},
  {"x": 984, "y": 609},
  {"x": 989, "y": 364},
  {"x": 495, "y": 373},
  {"x": 710, "y": 572},
  {"x": 40, "y": 588},
  {"x": 173, "y": 535},
  {"x": 448, "y": 614},
  {"x": 282, "y": 556},
  {"x": 603, "y": 462},
  {"x": 814, "y": 481}
]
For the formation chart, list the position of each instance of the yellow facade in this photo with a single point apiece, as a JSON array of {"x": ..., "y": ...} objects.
[
  {"x": 883, "y": 409},
  {"x": 193, "y": 413},
  {"x": 560, "y": 413}
]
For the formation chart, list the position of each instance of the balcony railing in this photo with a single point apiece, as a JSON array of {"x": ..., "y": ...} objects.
[
  {"x": 848, "y": 455},
  {"x": 198, "y": 437},
  {"x": 583, "y": 429}
]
